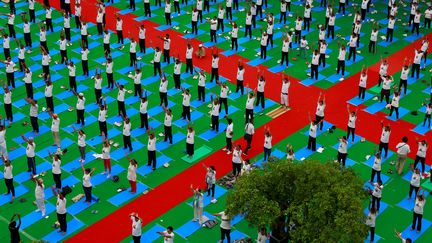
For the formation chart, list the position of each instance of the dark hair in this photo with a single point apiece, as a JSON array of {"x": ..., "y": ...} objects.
[
  {"x": 170, "y": 228},
  {"x": 87, "y": 170},
  {"x": 405, "y": 139},
  {"x": 212, "y": 167},
  {"x": 12, "y": 224}
]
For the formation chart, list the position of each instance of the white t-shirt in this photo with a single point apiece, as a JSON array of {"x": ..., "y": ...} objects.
[
  {"x": 419, "y": 206},
  {"x": 61, "y": 205},
  {"x": 268, "y": 142},
  {"x": 102, "y": 115},
  {"x": 157, "y": 56},
  {"x": 87, "y": 180},
  {"x": 39, "y": 191},
  {"x": 131, "y": 174},
  {"x": 421, "y": 151},
  {"x": 7, "y": 98},
  {"x": 352, "y": 121},
  {"x": 415, "y": 180},
  {"x": 385, "y": 135},
  {"x": 229, "y": 130},
  {"x": 168, "y": 237},
  {"x": 8, "y": 172},
  {"x": 342, "y": 146},
  {"x": 126, "y": 129},
  {"x": 168, "y": 120},
  {"x": 120, "y": 95},
  {"x": 190, "y": 139},
  {"x": 106, "y": 152},
  {"x": 80, "y": 103},
  {"x": 55, "y": 125},
  {"x": 377, "y": 164},
  {"x": 151, "y": 144},
  {"x": 249, "y": 129},
  {"x": 136, "y": 226},
  {"x": 313, "y": 130},
  {"x": 403, "y": 148},
  {"x": 56, "y": 167},
  {"x": 226, "y": 222},
  {"x": 82, "y": 140},
  {"x": 186, "y": 99},
  {"x": 320, "y": 110},
  {"x": 250, "y": 103},
  {"x": 215, "y": 109},
  {"x": 30, "y": 150}
]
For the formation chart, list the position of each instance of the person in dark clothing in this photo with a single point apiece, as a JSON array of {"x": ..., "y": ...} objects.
[{"x": 14, "y": 228}]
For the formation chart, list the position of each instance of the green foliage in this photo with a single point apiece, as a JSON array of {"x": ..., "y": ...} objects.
[{"x": 324, "y": 202}]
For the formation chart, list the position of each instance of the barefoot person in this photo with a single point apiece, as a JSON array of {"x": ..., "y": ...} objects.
[
  {"x": 198, "y": 204},
  {"x": 131, "y": 173},
  {"x": 87, "y": 185},
  {"x": 61, "y": 210}
]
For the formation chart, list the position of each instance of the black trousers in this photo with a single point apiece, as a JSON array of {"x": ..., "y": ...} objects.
[
  {"x": 228, "y": 13},
  {"x": 103, "y": 127},
  {"x": 413, "y": 188},
  {"x": 416, "y": 28},
  {"x": 10, "y": 186},
  {"x": 341, "y": 66},
  {"x": 107, "y": 48},
  {"x": 211, "y": 190},
  {"x": 177, "y": 7},
  {"x": 32, "y": 15},
  {"x": 330, "y": 30},
  {"x": 57, "y": 181},
  {"x": 248, "y": 29},
  {"x": 321, "y": 59},
  {"x": 428, "y": 118},
  {"x": 422, "y": 161},
  {"x": 85, "y": 67},
  {"x": 341, "y": 157},
  {"x": 49, "y": 25},
  {"x": 240, "y": 86},
  {"x": 263, "y": 54},
  {"x": 234, "y": 44},
  {"x": 307, "y": 24},
  {"x": 144, "y": 120},
  {"x": 214, "y": 74},
  {"x": 376, "y": 202},
  {"x": 350, "y": 131},
  {"x": 189, "y": 66},
  {"x": 31, "y": 164},
  {"x": 417, "y": 219},
  {"x": 195, "y": 27},
  {"x": 11, "y": 79},
  {"x": 8, "y": 111},
  {"x": 163, "y": 98},
  {"x": 201, "y": 93},
  {"x": 121, "y": 108},
  {"x": 260, "y": 99},
  {"x": 311, "y": 143},
  {"x": 142, "y": 45},
  {"x": 283, "y": 16},
  {"x": 127, "y": 142},
  {"x": 133, "y": 59},
  {"x": 120, "y": 38},
  {"x": 248, "y": 138},
  {"x": 389, "y": 34},
  {"x": 249, "y": 115},
  {"x": 80, "y": 117},
  {"x": 225, "y": 233},
  {"x": 45, "y": 69},
  {"x": 34, "y": 123},
  {"x": 427, "y": 23},
  {"x": 213, "y": 35},
  {"x": 50, "y": 103},
  {"x": 99, "y": 28},
  {"x": 87, "y": 193},
  {"x": 168, "y": 134},
  {"x": 132, "y": 4},
  {"x": 168, "y": 18},
  {"x": 415, "y": 68},
  {"x": 220, "y": 24},
  {"x": 110, "y": 78},
  {"x": 166, "y": 56},
  {"x": 61, "y": 218},
  {"x": 177, "y": 82},
  {"x": 147, "y": 11},
  {"x": 236, "y": 169},
  {"x": 228, "y": 144},
  {"x": 341, "y": 6},
  {"x": 64, "y": 56},
  {"x": 137, "y": 90},
  {"x": 372, "y": 46},
  {"x": 136, "y": 239},
  {"x": 28, "y": 40},
  {"x": 375, "y": 172},
  {"x": 77, "y": 22},
  {"x": 156, "y": 68},
  {"x": 224, "y": 102},
  {"x": 353, "y": 53},
  {"x": 385, "y": 147},
  {"x": 393, "y": 108},
  {"x": 29, "y": 90},
  {"x": 215, "y": 123},
  {"x": 362, "y": 92},
  {"x": 6, "y": 52},
  {"x": 151, "y": 158},
  {"x": 314, "y": 71},
  {"x": 72, "y": 83},
  {"x": 12, "y": 31},
  {"x": 186, "y": 114},
  {"x": 285, "y": 58},
  {"x": 403, "y": 83},
  {"x": 385, "y": 93}
]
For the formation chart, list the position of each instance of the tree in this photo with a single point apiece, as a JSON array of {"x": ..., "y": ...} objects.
[{"x": 316, "y": 202}]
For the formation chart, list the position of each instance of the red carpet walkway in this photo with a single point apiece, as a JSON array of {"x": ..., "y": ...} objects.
[{"x": 302, "y": 99}]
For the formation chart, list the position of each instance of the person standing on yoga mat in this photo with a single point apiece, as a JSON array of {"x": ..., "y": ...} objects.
[
  {"x": 394, "y": 106},
  {"x": 390, "y": 28},
  {"x": 223, "y": 96},
  {"x": 177, "y": 72},
  {"x": 81, "y": 143},
  {"x": 156, "y": 60},
  {"x": 72, "y": 78},
  {"x": 56, "y": 169},
  {"x": 418, "y": 212},
  {"x": 98, "y": 86},
  {"x": 87, "y": 185},
  {"x": 373, "y": 38},
  {"x": 201, "y": 84},
  {"x": 211, "y": 182},
  {"x": 33, "y": 115},
  {"x": 236, "y": 161},
  {"x": 421, "y": 155},
  {"x": 414, "y": 183},
  {"x": 48, "y": 94},
  {"x": 8, "y": 177},
  {"x": 404, "y": 76},
  {"x": 370, "y": 221},
  {"x": 229, "y": 131},
  {"x": 3, "y": 146},
  {"x": 151, "y": 148},
  {"x": 55, "y": 128},
  {"x": 106, "y": 157},
  {"x": 382, "y": 71},
  {"x": 403, "y": 149},
  {"x": 109, "y": 72},
  {"x": 376, "y": 167},
  {"x": 168, "y": 235},
  {"x": 415, "y": 68},
  {"x": 384, "y": 140},
  {"x": 30, "y": 153},
  {"x": 136, "y": 227},
  {"x": 84, "y": 59},
  {"x": 137, "y": 81},
  {"x": 314, "y": 63},
  {"x": 39, "y": 195},
  {"x": 103, "y": 108},
  {"x": 168, "y": 125},
  {"x": 61, "y": 210},
  {"x": 127, "y": 133},
  {"x": 260, "y": 91},
  {"x": 215, "y": 66},
  {"x": 7, "y": 101},
  {"x": 198, "y": 204},
  {"x": 377, "y": 194},
  {"x": 312, "y": 133},
  {"x": 163, "y": 90},
  {"x": 107, "y": 42},
  {"x": 80, "y": 105},
  {"x": 352, "y": 118},
  {"x": 14, "y": 229},
  {"x": 341, "y": 60},
  {"x": 342, "y": 151},
  {"x": 132, "y": 52},
  {"x": 190, "y": 140},
  {"x": 131, "y": 173},
  {"x": 385, "y": 90},
  {"x": 143, "y": 111},
  {"x": 424, "y": 48},
  {"x": 249, "y": 132},
  {"x": 46, "y": 58},
  {"x": 319, "y": 114},
  {"x": 225, "y": 226},
  {"x": 240, "y": 77},
  {"x": 28, "y": 80},
  {"x": 215, "y": 113},
  {"x": 84, "y": 34},
  {"x": 120, "y": 99},
  {"x": 267, "y": 143},
  {"x": 119, "y": 30},
  {"x": 10, "y": 72},
  {"x": 6, "y": 44},
  {"x": 77, "y": 15}
]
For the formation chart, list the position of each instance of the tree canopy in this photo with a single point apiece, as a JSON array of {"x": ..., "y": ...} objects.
[{"x": 316, "y": 202}]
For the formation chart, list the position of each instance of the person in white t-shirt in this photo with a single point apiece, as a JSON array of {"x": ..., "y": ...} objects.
[
  {"x": 136, "y": 227},
  {"x": 80, "y": 106},
  {"x": 156, "y": 60},
  {"x": 30, "y": 153},
  {"x": 61, "y": 210},
  {"x": 163, "y": 90},
  {"x": 267, "y": 143},
  {"x": 213, "y": 28},
  {"x": 55, "y": 128},
  {"x": 177, "y": 73},
  {"x": 370, "y": 221},
  {"x": 390, "y": 28},
  {"x": 428, "y": 17},
  {"x": 225, "y": 226},
  {"x": 234, "y": 36},
  {"x": 249, "y": 132},
  {"x": 168, "y": 12},
  {"x": 210, "y": 179},
  {"x": 40, "y": 195},
  {"x": 415, "y": 68},
  {"x": 81, "y": 143},
  {"x": 168, "y": 235},
  {"x": 215, "y": 65},
  {"x": 284, "y": 91},
  {"x": 127, "y": 126},
  {"x": 186, "y": 114},
  {"x": 314, "y": 64},
  {"x": 10, "y": 71},
  {"x": 106, "y": 157},
  {"x": 260, "y": 91},
  {"x": 137, "y": 81},
  {"x": 403, "y": 149},
  {"x": 263, "y": 46},
  {"x": 197, "y": 204},
  {"x": 7, "y": 101},
  {"x": 352, "y": 118},
  {"x": 394, "y": 105},
  {"x": 313, "y": 133},
  {"x": 131, "y": 173},
  {"x": 147, "y": 9},
  {"x": 384, "y": 140},
  {"x": 8, "y": 177},
  {"x": 418, "y": 212},
  {"x": 319, "y": 114},
  {"x": 215, "y": 105},
  {"x": 201, "y": 84},
  {"x": 421, "y": 154},
  {"x": 168, "y": 125},
  {"x": 404, "y": 76},
  {"x": 342, "y": 151},
  {"x": 87, "y": 185},
  {"x": 121, "y": 99},
  {"x": 119, "y": 30},
  {"x": 190, "y": 140},
  {"x": 3, "y": 146},
  {"x": 373, "y": 38},
  {"x": 414, "y": 183},
  {"x": 151, "y": 148},
  {"x": 263, "y": 236},
  {"x": 416, "y": 22}
]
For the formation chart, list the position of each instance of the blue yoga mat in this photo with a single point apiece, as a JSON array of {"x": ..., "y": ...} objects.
[
  {"x": 158, "y": 109},
  {"x": 388, "y": 43},
  {"x": 195, "y": 115},
  {"x": 412, "y": 234},
  {"x": 165, "y": 27},
  {"x": 406, "y": 203},
  {"x": 402, "y": 112},
  {"x": 267, "y": 104},
  {"x": 151, "y": 235},
  {"x": 75, "y": 164},
  {"x": 73, "y": 226},
  {"x": 176, "y": 138},
  {"x": 280, "y": 67},
  {"x": 34, "y": 217},
  {"x": 377, "y": 238},
  {"x": 356, "y": 101},
  {"x": 335, "y": 77},
  {"x": 19, "y": 191},
  {"x": 145, "y": 170},
  {"x": 190, "y": 227},
  {"x": 64, "y": 95},
  {"x": 42, "y": 130},
  {"x": 64, "y": 144},
  {"x": 257, "y": 61},
  {"x": 69, "y": 181},
  {"x": 150, "y": 80},
  {"x": 412, "y": 80},
  {"x": 236, "y": 235},
  {"x": 326, "y": 126},
  {"x": 120, "y": 152},
  {"x": 25, "y": 176},
  {"x": 138, "y": 132},
  {"x": 124, "y": 196},
  {"x": 234, "y": 95},
  {"x": 304, "y": 153},
  {"x": 80, "y": 206},
  {"x": 375, "y": 107},
  {"x": 101, "y": 178},
  {"x": 18, "y": 152},
  {"x": 209, "y": 134},
  {"x": 57, "y": 109},
  {"x": 349, "y": 162}
]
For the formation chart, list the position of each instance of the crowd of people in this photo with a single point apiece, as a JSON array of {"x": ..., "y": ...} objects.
[{"x": 255, "y": 97}]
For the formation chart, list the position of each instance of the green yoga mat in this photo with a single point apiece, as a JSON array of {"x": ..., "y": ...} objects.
[{"x": 198, "y": 154}]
